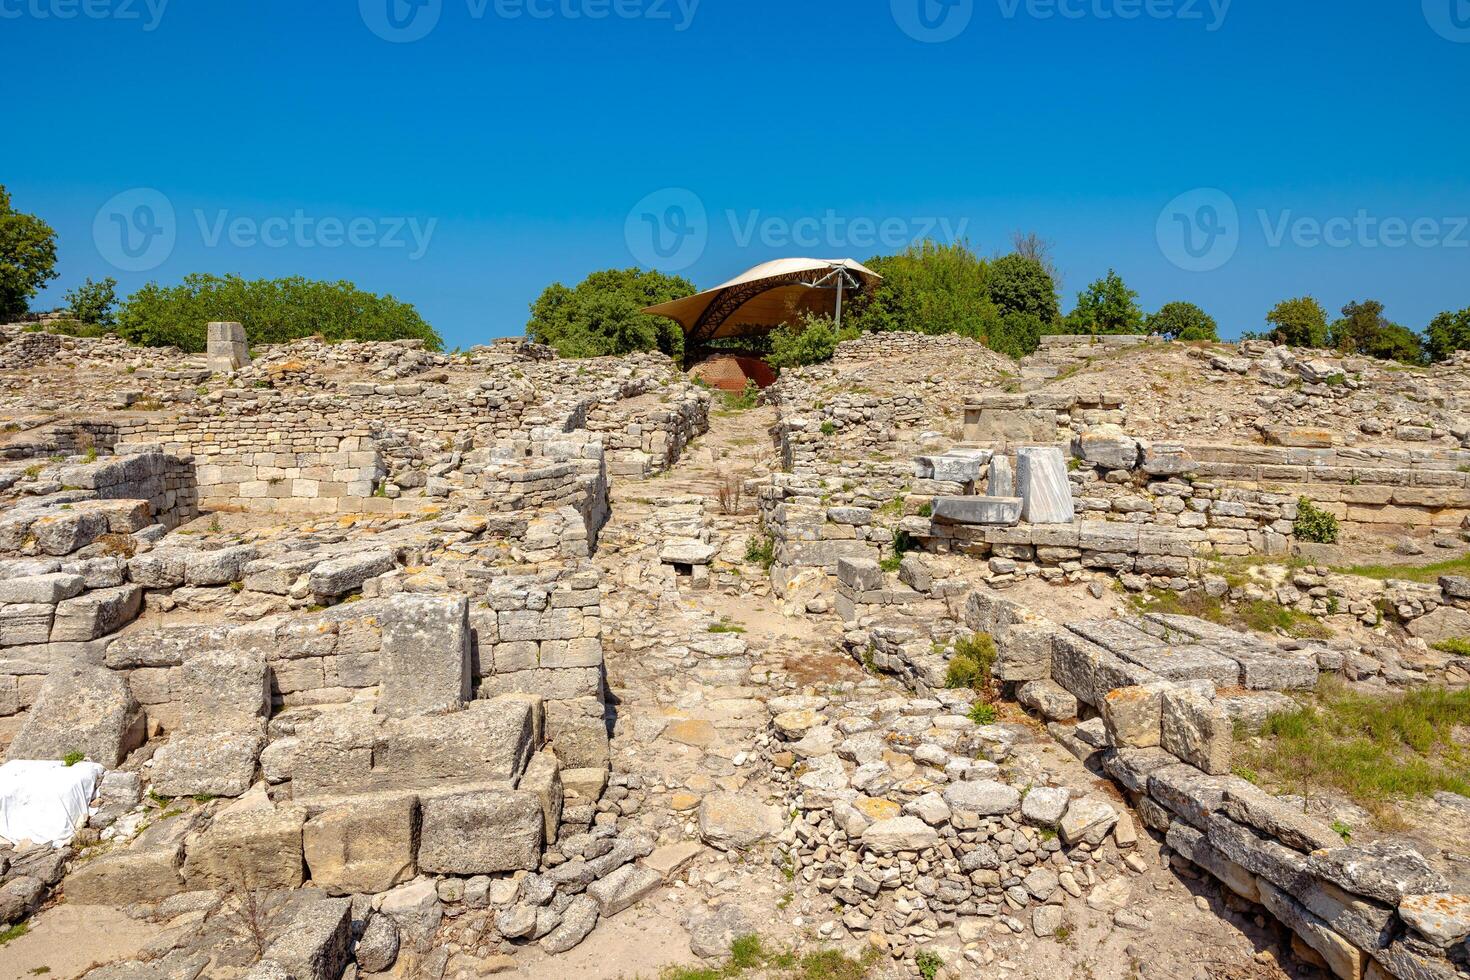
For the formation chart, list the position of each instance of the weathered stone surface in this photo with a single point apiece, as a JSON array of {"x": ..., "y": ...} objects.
[
  {"x": 1257, "y": 853},
  {"x": 992, "y": 511},
  {"x": 81, "y": 708},
  {"x": 623, "y": 887},
  {"x": 97, "y": 613},
  {"x": 317, "y": 944},
  {"x": 1087, "y": 820},
  {"x": 1024, "y": 652},
  {"x": 1045, "y": 806},
  {"x": 1193, "y": 846},
  {"x": 955, "y": 466},
  {"x": 577, "y": 922},
  {"x": 1259, "y": 809},
  {"x": 214, "y": 764},
  {"x": 425, "y": 655},
  {"x": 1048, "y": 699},
  {"x": 1197, "y": 731},
  {"x": 899, "y": 834},
  {"x": 1107, "y": 446},
  {"x": 1002, "y": 478},
  {"x": 983, "y": 797},
  {"x": 481, "y": 833},
  {"x": 146, "y": 870},
  {"x": 363, "y": 845},
  {"x": 1046, "y": 493},
  {"x": 860, "y": 574},
  {"x": 1445, "y": 623},
  {"x": 49, "y": 589},
  {"x": 341, "y": 576},
  {"x": 219, "y": 567},
  {"x": 222, "y": 691},
  {"x": 1387, "y": 870},
  {"x": 1345, "y": 960},
  {"x": 377, "y": 950},
  {"x": 1134, "y": 715},
  {"x": 1191, "y": 794},
  {"x": 735, "y": 822},
  {"x": 252, "y": 844},
  {"x": 686, "y": 551},
  {"x": 1442, "y": 918}
]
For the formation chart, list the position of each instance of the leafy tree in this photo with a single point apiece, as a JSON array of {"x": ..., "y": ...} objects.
[
  {"x": 1364, "y": 329},
  {"x": 810, "y": 342},
  {"x": 1183, "y": 321},
  {"x": 273, "y": 311},
  {"x": 1108, "y": 306},
  {"x": 1019, "y": 284},
  {"x": 1030, "y": 245},
  {"x": 930, "y": 288},
  {"x": 92, "y": 302},
  {"x": 1017, "y": 334},
  {"x": 1448, "y": 333},
  {"x": 602, "y": 314},
  {"x": 1299, "y": 322},
  {"x": 27, "y": 257}
]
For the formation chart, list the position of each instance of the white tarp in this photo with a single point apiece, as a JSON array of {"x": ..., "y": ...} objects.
[{"x": 45, "y": 802}]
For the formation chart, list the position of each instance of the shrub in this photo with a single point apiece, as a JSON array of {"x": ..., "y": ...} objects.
[
  {"x": 1314, "y": 524},
  {"x": 1107, "y": 306},
  {"x": 92, "y": 302},
  {"x": 970, "y": 666},
  {"x": 930, "y": 288},
  {"x": 273, "y": 311},
  {"x": 1022, "y": 285},
  {"x": 1447, "y": 333},
  {"x": 761, "y": 550},
  {"x": 811, "y": 341},
  {"x": 72, "y": 758},
  {"x": 929, "y": 963},
  {"x": 603, "y": 314},
  {"x": 1299, "y": 322},
  {"x": 982, "y": 713}
]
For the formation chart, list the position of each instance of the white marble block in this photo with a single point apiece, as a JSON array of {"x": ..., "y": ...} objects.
[{"x": 1046, "y": 493}]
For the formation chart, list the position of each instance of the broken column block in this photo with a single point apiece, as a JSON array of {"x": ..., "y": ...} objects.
[
  {"x": 81, "y": 708},
  {"x": 425, "y": 655},
  {"x": 1046, "y": 493},
  {"x": 226, "y": 347}
]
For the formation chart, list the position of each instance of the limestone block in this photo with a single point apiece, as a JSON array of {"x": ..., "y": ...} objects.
[
  {"x": 425, "y": 655},
  {"x": 214, "y": 764},
  {"x": 364, "y": 844},
  {"x": 96, "y": 614},
  {"x": 252, "y": 845},
  {"x": 317, "y": 943},
  {"x": 1046, "y": 493},
  {"x": 984, "y": 511},
  {"x": 1197, "y": 731},
  {"x": 481, "y": 832},
  {"x": 81, "y": 708}
]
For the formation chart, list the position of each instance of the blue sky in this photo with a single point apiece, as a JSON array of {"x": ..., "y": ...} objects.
[{"x": 523, "y": 141}]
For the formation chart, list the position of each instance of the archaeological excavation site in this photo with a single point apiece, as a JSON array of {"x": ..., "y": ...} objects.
[{"x": 1133, "y": 659}]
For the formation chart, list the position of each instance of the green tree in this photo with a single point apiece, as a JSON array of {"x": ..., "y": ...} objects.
[
  {"x": 1108, "y": 306},
  {"x": 602, "y": 314},
  {"x": 1023, "y": 285},
  {"x": 1447, "y": 333},
  {"x": 92, "y": 302},
  {"x": 930, "y": 288},
  {"x": 273, "y": 311},
  {"x": 1183, "y": 321},
  {"x": 1299, "y": 322},
  {"x": 1364, "y": 329},
  {"x": 27, "y": 257},
  {"x": 1017, "y": 334},
  {"x": 811, "y": 341}
]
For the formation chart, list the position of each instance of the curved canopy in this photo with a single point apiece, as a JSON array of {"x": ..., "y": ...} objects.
[{"x": 767, "y": 296}]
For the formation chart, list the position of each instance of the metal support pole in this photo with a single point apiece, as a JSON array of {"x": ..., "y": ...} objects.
[{"x": 840, "y": 279}]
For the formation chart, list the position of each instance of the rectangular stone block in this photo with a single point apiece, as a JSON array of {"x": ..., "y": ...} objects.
[
  {"x": 362, "y": 845},
  {"x": 1003, "y": 511},
  {"x": 425, "y": 655},
  {"x": 481, "y": 833}
]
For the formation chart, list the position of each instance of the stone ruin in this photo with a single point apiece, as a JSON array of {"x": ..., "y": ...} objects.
[{"x": 439, "y": 662}]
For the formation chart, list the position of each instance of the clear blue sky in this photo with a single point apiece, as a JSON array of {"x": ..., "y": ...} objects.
[{"x": 529, "y": 141}]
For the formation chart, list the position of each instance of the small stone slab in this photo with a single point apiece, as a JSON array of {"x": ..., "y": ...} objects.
[{"x": 992, "y": 511}]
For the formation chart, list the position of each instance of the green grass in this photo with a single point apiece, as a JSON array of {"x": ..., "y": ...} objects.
[
  {"x": 983, "y": 714},
  {"x": 726, "y": 626},
  {"x": 1409, "y": 573},
  {"x": 749, "y": 953},
  {"x": 14, "y": 932},
  {"x": 1258, "y": 615},
  {"x": 1374, "y": 748},
  {"x": 72, "y": 758}
]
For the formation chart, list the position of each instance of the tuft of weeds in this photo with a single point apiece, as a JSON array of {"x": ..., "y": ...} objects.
[
  {"x": 970, "y": 666},
  {"x": 1409, "y": 573},
  {"x": 761, "y": 550},
  {"x": 1455, "y": 647}
]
